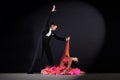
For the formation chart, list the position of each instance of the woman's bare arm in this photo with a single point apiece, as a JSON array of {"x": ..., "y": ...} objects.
[{"x": 68, "y": 66}]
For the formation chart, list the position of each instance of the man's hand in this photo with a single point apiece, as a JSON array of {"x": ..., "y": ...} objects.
[
  {"x": 53, "y": 9},
  {"x": 68, "y": 38}
]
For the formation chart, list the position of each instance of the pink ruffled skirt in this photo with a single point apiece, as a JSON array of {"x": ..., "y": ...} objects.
[{"x": 58, "y": 70}]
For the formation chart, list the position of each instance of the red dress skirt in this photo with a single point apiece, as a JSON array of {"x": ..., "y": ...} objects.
[{"x": 58, "y": 70}]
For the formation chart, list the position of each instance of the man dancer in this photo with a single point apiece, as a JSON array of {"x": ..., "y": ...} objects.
[{"x": 47, "y": 34}]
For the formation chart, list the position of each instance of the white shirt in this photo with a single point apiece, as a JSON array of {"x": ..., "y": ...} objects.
[{"x": 49, "y": 33}]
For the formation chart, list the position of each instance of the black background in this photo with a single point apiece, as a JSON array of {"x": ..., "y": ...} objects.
[{"x": 19, "y": 36}]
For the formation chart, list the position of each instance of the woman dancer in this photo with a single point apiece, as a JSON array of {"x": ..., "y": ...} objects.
[{"x": 64, "y": 68}]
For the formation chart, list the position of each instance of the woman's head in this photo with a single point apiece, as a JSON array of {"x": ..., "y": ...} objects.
[{"x": 75, "y": 59}]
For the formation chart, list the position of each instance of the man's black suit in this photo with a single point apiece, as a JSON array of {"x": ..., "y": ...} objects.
[
  {"x": 46, "y": 44},
  {"x": 46, "y": 41}
]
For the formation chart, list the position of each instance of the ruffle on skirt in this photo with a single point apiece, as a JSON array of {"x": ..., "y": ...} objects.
[{"x": 58, "y": 70}]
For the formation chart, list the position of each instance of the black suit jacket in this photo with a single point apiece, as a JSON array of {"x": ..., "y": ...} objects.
[{"x": 46, "y": 30}]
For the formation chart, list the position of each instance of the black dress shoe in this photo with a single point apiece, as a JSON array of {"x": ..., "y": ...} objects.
[{"x": 30, "y": 72}]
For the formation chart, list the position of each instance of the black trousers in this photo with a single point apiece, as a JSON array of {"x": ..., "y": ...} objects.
[{"x": 47, "y": 50}]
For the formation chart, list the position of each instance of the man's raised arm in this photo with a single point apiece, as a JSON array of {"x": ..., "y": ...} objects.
[{"x": 49, "y": 17}]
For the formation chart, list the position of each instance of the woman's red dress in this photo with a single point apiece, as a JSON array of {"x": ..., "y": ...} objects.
[{"x": 56, "y": 70}]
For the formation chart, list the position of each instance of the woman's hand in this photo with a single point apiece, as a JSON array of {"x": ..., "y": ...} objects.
[{"x": 65, "y": 71}]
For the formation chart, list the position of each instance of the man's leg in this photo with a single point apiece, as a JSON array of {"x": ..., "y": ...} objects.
[
  {"x": 32, "y": 64},
  {"x": 42, "y": 53},
  {"x": 49, "y": 55},
  {"x": 35, "y": 58}
]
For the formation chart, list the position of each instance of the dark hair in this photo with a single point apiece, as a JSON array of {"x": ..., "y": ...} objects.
[{"x": 53, "y": 23}]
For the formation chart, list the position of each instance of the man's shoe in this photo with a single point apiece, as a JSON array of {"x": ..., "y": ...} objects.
[{"x": 30, "y": 72}]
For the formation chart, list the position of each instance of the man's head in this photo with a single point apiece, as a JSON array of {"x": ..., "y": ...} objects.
[{"x": 53, "y": 26}]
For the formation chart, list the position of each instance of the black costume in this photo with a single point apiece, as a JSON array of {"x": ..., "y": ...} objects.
[
  {"x": 46, "y": 40},
  {"x": 46, "y": 44}
]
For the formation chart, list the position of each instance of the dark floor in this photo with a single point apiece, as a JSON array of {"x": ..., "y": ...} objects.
[{"x": 36, "y": 76}]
